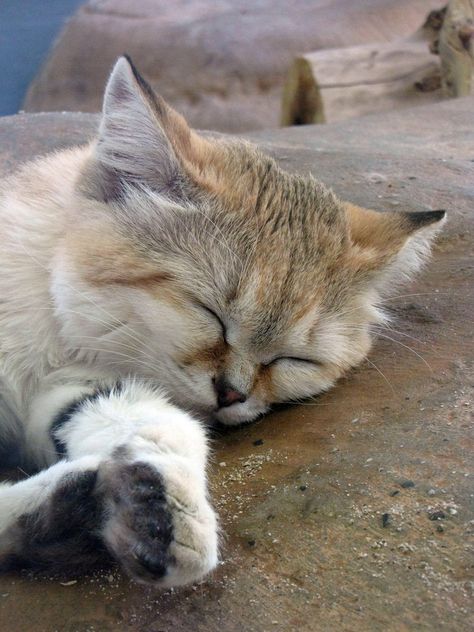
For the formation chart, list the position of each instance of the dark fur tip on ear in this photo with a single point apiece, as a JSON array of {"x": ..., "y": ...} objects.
[
  {"x": 128, "y": 58},
  {"x": 425, "y": 218},
  {"x": 143, "y": 84},
  {"x": 136, "y": 74}
]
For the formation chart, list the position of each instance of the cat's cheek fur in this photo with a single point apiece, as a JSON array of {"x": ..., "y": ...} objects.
[
  {"x": 287, "y": 382},
  {"x": 239, "y": 414},
  {"x": 130, "y": 330}
]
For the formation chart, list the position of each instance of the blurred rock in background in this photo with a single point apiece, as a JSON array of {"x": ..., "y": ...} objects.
[{"x": 221, "y": 63}]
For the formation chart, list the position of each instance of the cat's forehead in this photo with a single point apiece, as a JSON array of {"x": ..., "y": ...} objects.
[
  {"x": 270, "y": 303},
  {"x": 269, "y": 282}
]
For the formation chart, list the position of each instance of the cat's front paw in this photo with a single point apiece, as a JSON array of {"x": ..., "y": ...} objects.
[{"x": 159, "y": 524}]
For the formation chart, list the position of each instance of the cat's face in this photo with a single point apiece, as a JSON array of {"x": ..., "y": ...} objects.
[
  {"x": 238, "y": 315},
  {"x": 233, "y": 284}
]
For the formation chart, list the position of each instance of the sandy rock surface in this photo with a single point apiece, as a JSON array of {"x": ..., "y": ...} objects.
[{"x": 353, "y": 511}]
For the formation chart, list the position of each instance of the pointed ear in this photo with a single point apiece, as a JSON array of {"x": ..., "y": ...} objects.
[
  {"x": 391, "y": 245},
  {"x": 141, "y": 140}
]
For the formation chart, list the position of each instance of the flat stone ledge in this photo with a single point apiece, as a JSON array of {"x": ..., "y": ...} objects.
[
  {"x": 353, "y": 511},
  {"x": 222, "y": 63}
]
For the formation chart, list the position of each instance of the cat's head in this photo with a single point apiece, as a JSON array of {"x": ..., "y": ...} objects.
[{"x": 207, "y": 267}]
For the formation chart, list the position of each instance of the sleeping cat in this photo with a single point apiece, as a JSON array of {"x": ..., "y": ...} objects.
[{"x": 152, "y": 279}]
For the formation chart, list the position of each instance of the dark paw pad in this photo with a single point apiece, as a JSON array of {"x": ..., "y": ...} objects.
[{"x": 139, "y": 529}]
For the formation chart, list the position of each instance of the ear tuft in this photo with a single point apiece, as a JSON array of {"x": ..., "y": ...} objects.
[
  {"x": 143, "y": 141},
  {"x": 391, "y": 246},
  {"x": 425, "y": 218},
  {"x": 133, "y": 147}
]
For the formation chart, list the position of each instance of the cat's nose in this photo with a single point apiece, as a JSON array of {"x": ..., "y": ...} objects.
[{"x": 227, "y": 394}]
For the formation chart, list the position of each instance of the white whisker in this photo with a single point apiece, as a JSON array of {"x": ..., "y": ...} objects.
[
  {"x": 124, "y": 355},
  {"x": 382, "y": 374},
  {"x": 110, "y": 329},
  {"x": 418, "y": 355},
  {"x": 381, "y": 335},
  {"x": 381, "y": 302},
  {"x": 87, "y": 298}
]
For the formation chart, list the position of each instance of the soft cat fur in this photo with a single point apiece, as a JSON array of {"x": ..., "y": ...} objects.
[{"x": 156, "y": 266}]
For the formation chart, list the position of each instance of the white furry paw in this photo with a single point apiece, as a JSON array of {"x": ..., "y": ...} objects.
[
  {"x": 150, "y": 513},
  {"x": 158, "y": 524}
]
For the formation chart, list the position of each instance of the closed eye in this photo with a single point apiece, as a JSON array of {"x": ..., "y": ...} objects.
[
  {"x": 216, "y": 317},
  {"x": 294, "y": 359}
]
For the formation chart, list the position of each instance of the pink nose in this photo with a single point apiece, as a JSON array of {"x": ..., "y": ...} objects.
[{"x": 227, "y": 395}]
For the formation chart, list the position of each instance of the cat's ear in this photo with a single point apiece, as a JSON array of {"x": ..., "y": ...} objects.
[
  {"x": 393, "y": 245},
  {"x": 142, "y": 140}
]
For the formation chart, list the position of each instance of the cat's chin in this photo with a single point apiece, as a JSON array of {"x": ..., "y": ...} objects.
[{"x": 239, "y": 414}]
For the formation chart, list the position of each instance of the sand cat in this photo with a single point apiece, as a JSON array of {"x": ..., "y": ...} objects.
[{"x": 151, "y": 280}]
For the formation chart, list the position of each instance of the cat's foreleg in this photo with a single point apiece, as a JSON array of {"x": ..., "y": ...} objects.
[
  {"x": 49, "y": 521},
  {"x": 147, "y": 493}
]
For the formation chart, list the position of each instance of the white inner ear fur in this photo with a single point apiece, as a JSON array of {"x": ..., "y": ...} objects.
[
  {"x": 131, "y": 140},
  {"x": 410, "y": 258}
]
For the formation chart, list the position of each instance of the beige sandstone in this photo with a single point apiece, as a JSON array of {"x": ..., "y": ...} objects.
[{"x": 222, "y": 63}]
